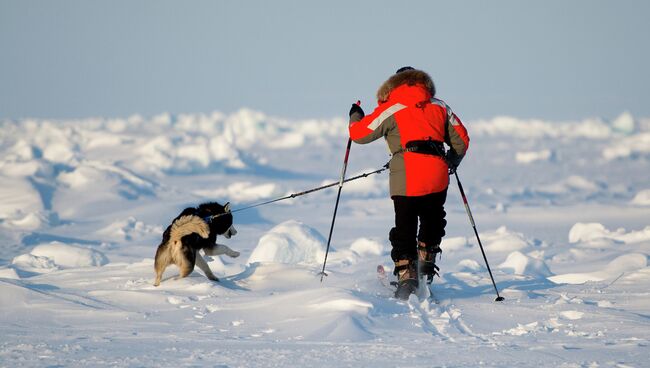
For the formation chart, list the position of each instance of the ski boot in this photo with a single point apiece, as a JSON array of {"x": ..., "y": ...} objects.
[
  {"x": 427, "y": 260},
  {"x": 407, "y": 278}
]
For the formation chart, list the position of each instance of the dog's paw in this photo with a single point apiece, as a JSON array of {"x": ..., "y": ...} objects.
[
  {"x": 234, "y": 254},
  {"x": 212, "y": 277}
]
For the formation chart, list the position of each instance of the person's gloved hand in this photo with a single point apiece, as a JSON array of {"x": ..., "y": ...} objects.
[
  {"x": 453, "y": 160},
  {"x": 356, "y": 112}
]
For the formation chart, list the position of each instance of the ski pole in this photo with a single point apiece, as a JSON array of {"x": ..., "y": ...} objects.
[
  {"x": 336, "y": 206},
  {"x": 471, "y": 220}
]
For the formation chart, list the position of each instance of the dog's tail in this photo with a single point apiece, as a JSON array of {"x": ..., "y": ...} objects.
[{"x": 186, "y": 225}]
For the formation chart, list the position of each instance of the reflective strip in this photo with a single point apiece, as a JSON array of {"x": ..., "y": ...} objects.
[
  {"x": 453, "y": 120},
  {"x": 438, "y": 102},
  {"x": 451, "y": 117},
  {"x": 385, "y": 115}
]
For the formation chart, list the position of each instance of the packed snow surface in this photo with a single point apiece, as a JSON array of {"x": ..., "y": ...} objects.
[{"x": 562, "y": 208}]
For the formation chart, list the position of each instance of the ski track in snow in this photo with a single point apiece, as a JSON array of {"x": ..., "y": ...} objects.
[{"x": 561, "y": 209}]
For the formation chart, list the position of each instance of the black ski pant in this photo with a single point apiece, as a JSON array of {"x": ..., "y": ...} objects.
[{"x": 430, "y": 211}]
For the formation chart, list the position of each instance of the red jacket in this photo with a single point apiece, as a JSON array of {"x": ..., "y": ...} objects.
[{"x": 407, "y": 112}]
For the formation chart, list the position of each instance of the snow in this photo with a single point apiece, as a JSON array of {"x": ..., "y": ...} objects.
[
  {"x": 562, "y": 209},
  {"x": 17, "y": 197},
  {"x": 594, "y": 233},
  {"x": 616, "y": 268},
  {"x": 242, "y": 192},
  {"x": 624, "y": 123},
  {"x": 505, "y": 125},
  {"x": 521, "y": 264},
  {"x": 370, "y": 186},
  {"x": 503, "y": 240},
  {"x": 67, "y": 256},
  {"x": 642, "y": 198},
  {"x": 290, "y": 242},
  {"x": 528, "y": 157},
  {"x": 634, "y": 145},
  {"x": 365, "y": 247}
]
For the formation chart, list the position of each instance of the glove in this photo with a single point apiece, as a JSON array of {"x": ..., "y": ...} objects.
[
  {"x": 356, "y": 113},
  {"x": 453, "y": 160}
]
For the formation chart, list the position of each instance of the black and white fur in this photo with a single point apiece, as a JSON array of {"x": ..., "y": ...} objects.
[{"x": 195, "y": 229}]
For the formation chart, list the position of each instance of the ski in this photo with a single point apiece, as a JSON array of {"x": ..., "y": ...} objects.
[{"x": 383, "y": 279}]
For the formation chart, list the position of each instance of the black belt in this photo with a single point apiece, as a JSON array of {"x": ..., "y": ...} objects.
[{"x": 426, "y": 147}]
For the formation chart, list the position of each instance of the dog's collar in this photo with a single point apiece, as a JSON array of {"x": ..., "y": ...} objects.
[{"x": 208, "y": 219}]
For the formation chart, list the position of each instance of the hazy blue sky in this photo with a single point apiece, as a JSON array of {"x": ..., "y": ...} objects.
[{"x": 544, "y": 59}]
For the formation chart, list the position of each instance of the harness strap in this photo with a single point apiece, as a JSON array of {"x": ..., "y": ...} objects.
[
  {"x": 433, "y": 249},
  {"x": 426, "y": 147},
  {"x": 403, "y": 264},
  {"x": 402, "y": 150}
]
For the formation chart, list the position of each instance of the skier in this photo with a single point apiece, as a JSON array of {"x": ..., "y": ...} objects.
[{"x": 415, "y": 124}]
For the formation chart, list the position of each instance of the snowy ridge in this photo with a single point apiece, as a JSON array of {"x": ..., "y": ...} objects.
[{"x": 562, "y": 209}]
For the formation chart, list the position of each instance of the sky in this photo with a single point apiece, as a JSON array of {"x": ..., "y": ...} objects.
[{"x": 557, "y": 60}]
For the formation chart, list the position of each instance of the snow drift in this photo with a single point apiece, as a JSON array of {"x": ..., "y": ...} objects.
[
  {"x": 55, "y": 255},
  {"x": 562, "y": 209},
  {"x": 290, "y": 242}
]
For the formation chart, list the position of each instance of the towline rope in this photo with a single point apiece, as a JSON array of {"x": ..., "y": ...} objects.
[{"x": 294, "y": 195}]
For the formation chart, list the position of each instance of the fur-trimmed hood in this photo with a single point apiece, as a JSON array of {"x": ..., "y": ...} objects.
[{"x": 409, "y": 77}]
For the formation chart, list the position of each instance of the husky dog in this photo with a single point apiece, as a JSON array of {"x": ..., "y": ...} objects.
[{"x": 195, "y": 229}]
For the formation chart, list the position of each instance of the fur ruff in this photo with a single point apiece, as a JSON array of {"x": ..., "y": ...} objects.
[{"x": 409, "y": 77}]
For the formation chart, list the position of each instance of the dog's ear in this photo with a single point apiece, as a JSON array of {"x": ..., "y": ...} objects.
[{"x": 227, "y": 207}]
